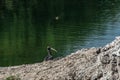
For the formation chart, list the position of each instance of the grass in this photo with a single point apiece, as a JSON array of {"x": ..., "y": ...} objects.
[{"x": 12, "y": 78}]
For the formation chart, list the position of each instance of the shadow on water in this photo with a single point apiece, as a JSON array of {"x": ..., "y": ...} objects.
[{"x": 28, "y": 27}]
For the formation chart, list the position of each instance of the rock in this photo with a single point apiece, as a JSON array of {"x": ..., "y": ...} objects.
[
  {"x": 86, "y": 64},
  {"x": 98, "y": 51},
  {"x": 105, "y": 59}
]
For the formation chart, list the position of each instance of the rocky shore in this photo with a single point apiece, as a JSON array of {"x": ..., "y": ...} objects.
[{"x": 86, "y": 64}]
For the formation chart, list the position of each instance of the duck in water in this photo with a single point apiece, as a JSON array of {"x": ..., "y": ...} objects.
[{"x": 49, "y": 56}]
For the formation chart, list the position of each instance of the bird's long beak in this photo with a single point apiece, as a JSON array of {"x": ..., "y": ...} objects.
[{"x": 54, "y": 49}]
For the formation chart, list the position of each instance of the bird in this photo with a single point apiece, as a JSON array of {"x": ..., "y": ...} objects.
[{"x": 49, "y": 55}]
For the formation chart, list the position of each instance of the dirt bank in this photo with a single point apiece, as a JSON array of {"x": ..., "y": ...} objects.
[{"x": 85, "y": 64}]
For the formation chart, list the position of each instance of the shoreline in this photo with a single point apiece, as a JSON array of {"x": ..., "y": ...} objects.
[{"x": 86, "y": 64}]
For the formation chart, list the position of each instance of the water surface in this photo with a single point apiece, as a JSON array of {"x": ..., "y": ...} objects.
[{"x": 27, "y": 29}]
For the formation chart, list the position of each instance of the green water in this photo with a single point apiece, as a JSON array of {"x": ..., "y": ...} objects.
[{"x": 28, "y": 27}]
